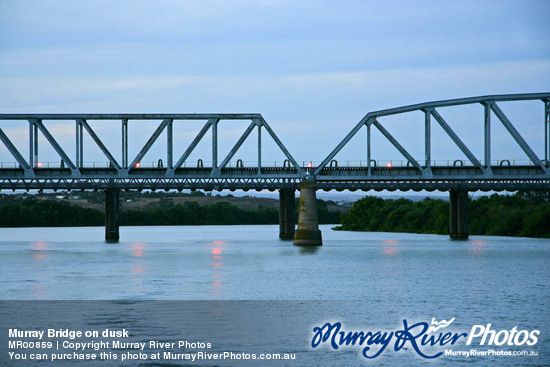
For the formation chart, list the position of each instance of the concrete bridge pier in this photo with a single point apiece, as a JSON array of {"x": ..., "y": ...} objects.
[
  {"x": 458, "y": 214},
  {"x": 112, "y": 215},
  {"x": 308, "y": 232},
  {"x": 287, "y": 219}
]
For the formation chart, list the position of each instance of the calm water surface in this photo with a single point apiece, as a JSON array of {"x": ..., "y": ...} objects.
[
  {"x": 250, "y": 262},
  {"x": 497, "y": 280}
]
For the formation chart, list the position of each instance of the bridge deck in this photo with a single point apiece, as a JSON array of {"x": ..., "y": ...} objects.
[{"x": 272, "y": 178}]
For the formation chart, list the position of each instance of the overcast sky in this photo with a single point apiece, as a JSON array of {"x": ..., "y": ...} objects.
[{"x": 313, "y": 69}]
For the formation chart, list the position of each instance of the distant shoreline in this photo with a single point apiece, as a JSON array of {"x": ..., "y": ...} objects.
[
  {"x": 147, "y": 209},
  {"x": 519, "y": 215},
  {"x": 525, "y": 214}
]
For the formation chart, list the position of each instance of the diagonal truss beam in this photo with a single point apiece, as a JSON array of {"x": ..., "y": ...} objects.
[
  {"x": 456, "y": 139},
  {"x": 396, "y": 144},
  {"x": 195, "y": 142},
  {"x": 99, "y": 143},
  {"x": 237, "y": 145},
  {"x": 281, "y": 146},
  {"x": 13, "y": 150},
  {"x": 517, "y": 137},
  {"x": 367, "y": 120},
  {"x": 149, "y": 143},
  {"x": 54, "y": 143}
]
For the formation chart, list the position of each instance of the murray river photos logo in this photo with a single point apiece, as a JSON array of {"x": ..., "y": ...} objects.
[{"x": 423, "y": 338}]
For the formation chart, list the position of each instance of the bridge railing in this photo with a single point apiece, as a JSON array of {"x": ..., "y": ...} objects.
[{"x": 335, "y": 164}]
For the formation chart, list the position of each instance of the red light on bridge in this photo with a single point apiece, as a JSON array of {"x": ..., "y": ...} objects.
[
  {"x": 138, "y": 164},
  {"x": 39, "y": 164},
  {"x": 309, "y": 165},
  {"x": 388, "y": 165}
]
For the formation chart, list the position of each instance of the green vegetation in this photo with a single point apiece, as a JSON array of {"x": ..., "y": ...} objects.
[
  {"x": 17, "y": 211},
  {"x": 191, "y": 213},
  {"x": 524, "y": 214},
  {"x": 47, "y": 213}
]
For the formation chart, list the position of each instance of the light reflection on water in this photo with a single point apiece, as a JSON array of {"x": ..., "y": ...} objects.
[
  {"x": 390, "y": 247},
  {"x": 138, "y": 269},
  {"x": 216, "y": 249},
  {"x": 393, "y": 275},
  {"x": 250, "y": 262},
  {"x": 477, "y": 247},
  {"x": 138, "y": 249},
  {"x": 39, "y": 250}
]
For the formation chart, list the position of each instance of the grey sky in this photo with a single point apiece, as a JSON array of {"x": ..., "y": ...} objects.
[{"x": 312, "y": 68}]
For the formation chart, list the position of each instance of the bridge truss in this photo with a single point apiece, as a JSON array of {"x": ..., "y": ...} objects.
[
  {"x": 174, "y": 172},
  {"x": 471, "y": 175},
  {"x": 131, "y": 174}
]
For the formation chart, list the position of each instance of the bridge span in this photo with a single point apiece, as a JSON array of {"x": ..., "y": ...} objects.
[{"x": 122, "y": 172}]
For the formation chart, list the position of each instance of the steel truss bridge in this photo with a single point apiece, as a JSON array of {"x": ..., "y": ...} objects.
[{"x": 175, "y": 172}]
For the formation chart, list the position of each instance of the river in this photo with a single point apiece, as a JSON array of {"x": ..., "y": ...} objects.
[{"x": 364, "y": 279}]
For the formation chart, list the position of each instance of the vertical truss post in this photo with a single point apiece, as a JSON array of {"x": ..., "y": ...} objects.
[
  {"x": 169, "y": 144},
  {"x": 546, "y": 129},
  {"x": 215, "y": 144},
  {"x": 427, "y": 139},
  {"x": 125, "y": 143},
  {"x": 31, "y": 144},
  {"x": 368, "y": 150},
  {"x": 259, "y": 149},
  {"x": 487, "y": 141},
  {"x": 78, "y": 147},
  {"x": 81, "y": 147},
  {"x": 35, "y": 142}
]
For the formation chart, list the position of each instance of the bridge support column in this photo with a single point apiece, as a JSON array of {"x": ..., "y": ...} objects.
[
  {"x": 111, "y": 215},
  {"x": 458, "y": 214},
  {"x": 286, "y": 213},
  {"x": 308, "y": 232}
]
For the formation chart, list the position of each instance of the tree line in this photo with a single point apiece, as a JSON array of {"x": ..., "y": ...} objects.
[
  {"x": 30, "y": 212},
  {"x": 525, "y": 214},
  {"x": 522, "y": 214}
]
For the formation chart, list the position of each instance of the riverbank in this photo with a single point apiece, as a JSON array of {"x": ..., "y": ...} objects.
[
  {"x": 149, "y": 208},
  {"x": 522, "y": 214}
]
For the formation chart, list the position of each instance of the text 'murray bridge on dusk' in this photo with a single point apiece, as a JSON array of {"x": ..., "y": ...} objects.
[{"x": 123, "y": 172}]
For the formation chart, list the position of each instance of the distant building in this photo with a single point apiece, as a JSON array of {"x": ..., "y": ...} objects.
[{"x": 343, "y": 203}]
